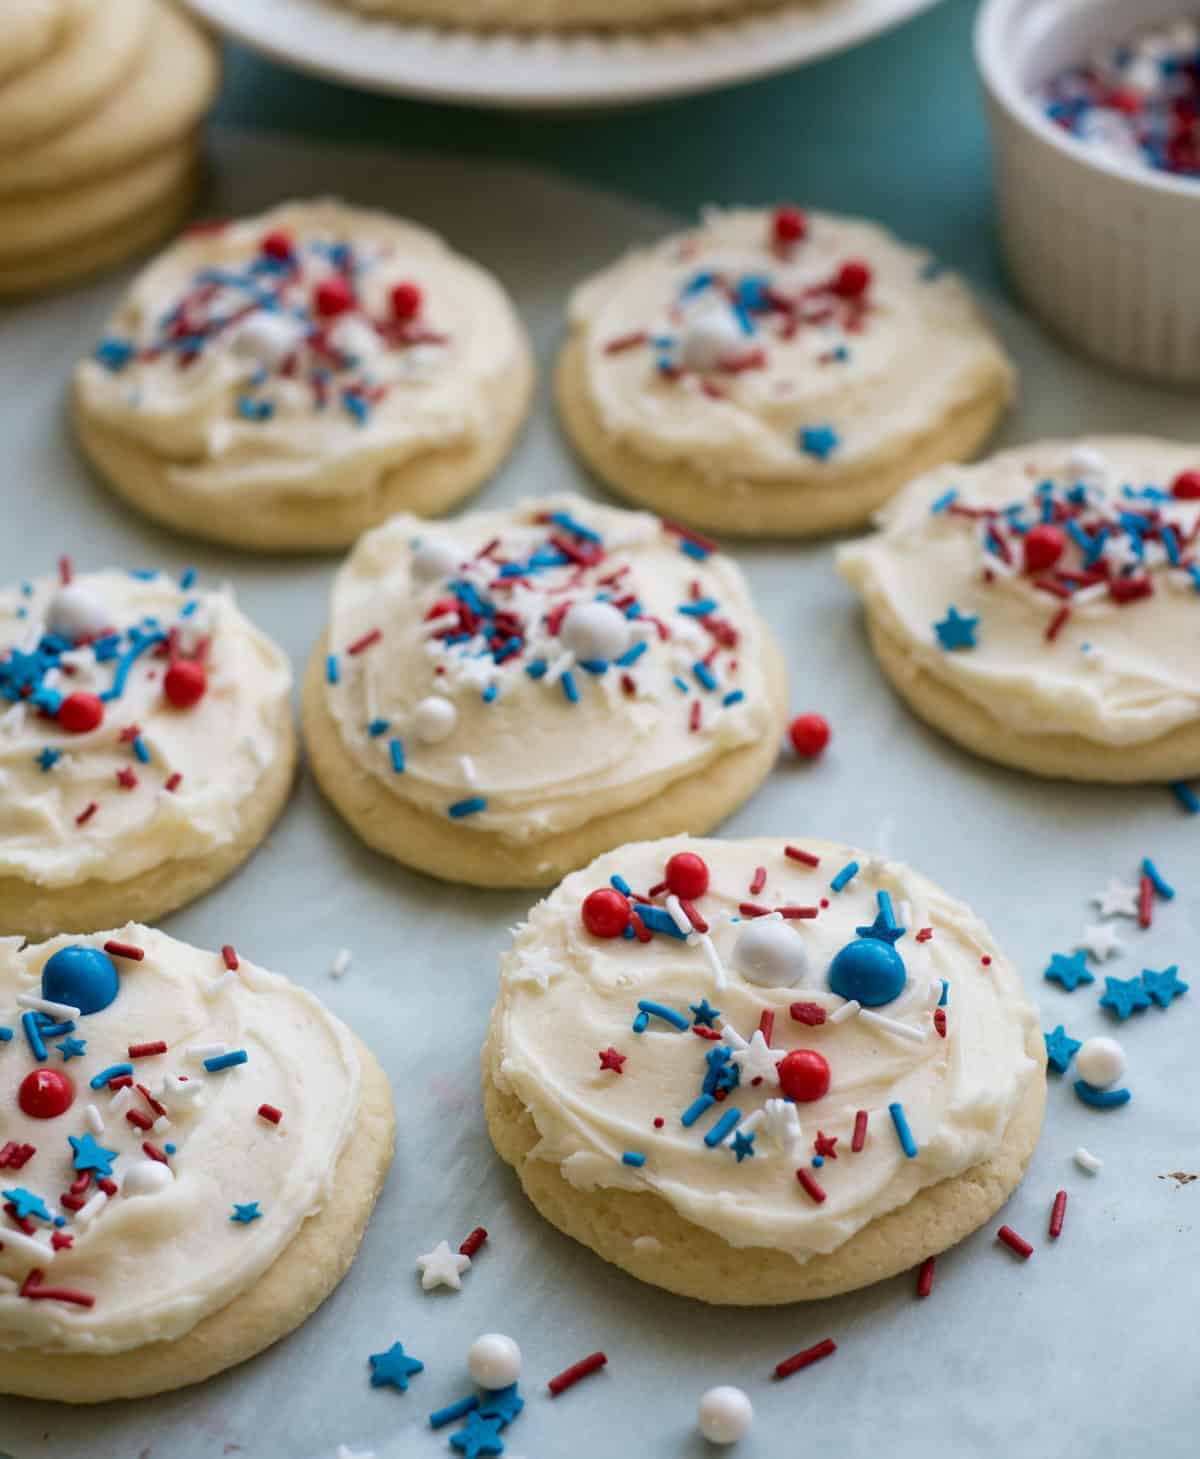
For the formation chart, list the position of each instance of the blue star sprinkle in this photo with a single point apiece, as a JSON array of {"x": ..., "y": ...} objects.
[
  {"x": 819, "y": 441},
  {"x": 90, "y": 1156},
  {"x": 503, "y": 1405},
  {"x": 1061, "y": 1048},
  {"x": 1164, "y": 986},
  {"x": 247, "y": 1213},
  {"x": 72, "y": 1048},
  {"x": 704, "y": 1014},
  {"x": 394, "y": 1368},
  {"x": 478, "y": 1436},
  {"x": 956, "y": 630},
  {"x": 26, "y": 1204},
  {"x": 1124, "y": 996},
  {"x": 743, "y": 1145},
  {"x": 1069, "y": 971},
  {"x": 881, "y": 931}
]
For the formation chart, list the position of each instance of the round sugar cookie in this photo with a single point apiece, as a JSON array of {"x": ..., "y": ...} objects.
[
  {"x": 31, "y": 28},
  {"x": 834, "y": 1075},
  {"x": 554, "y": 15},
  {"x": 499, "y": 700},
  {"x": 212, "y": 1140},
  {"x": 1032, "y": 608},
  {"x": 776, "y": 373},
  {"x": 160, "y": 103},
  {"x": 288, "y": 381},
  {"x": 146, "y": 746},
  {"x": 98, "y": 46}
]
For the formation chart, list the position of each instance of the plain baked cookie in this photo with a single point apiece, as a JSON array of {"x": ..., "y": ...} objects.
[
  {"x": 213, "y": 1140},
  {"x": 1034, "y": 608},
  {"x": 146, "y": 746},
  {"x": 499, "y": 700},
  {"x": 30, "y": 29},
  {"x": 286, "y": 382},
  {"x": 776, "y": 373},
  {"x": 754, "y": 1072}
]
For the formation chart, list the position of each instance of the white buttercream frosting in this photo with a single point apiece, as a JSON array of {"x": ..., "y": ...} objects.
[
  {"x": 524, "y": 671},
  {"x": 738, "y": 356},
  {"x": 152, "y": 782},
  {"x": 566, "y": 995},
  {"x": 1071, "y": 648},
  {"x": 222, "y": 362},
  {"x": 162, "y": 1252}
]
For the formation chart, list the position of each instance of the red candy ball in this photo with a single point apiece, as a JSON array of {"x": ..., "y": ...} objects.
[
  {"x": 803, "y": 1075},
  {"x": 1043, "y": 546},
  {"x": 852, "y": 280},
  {"x": 81, "y": 712},
  {"x": 789, "y": 225},
  {"x": 1186, "y": 486},
  {"x": 605, "y": 912},
  {"x": 184, "y": 683},
  {"x": 809, "y": 734},
  {"x": 333, "y": 296},
  {"x": 406, "y": 301},
  {"x": 687, "y": 875},
  {"x": 45, "y": 1094},
  {"x": 277, "y": 244}
]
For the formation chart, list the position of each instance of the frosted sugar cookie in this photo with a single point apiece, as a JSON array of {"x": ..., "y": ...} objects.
[
  {"x": 30, "y": 29},
  {"x": 146, "y": 746},
  {"x": 1034, "y": 608},
  {"x": 754, "y": 1072},
  {"x": 190, "y": 1148},
  {"x": 498, "y": 700},
  {"x": 287, "y": 381},
  {"x": 776, "y": 373}
]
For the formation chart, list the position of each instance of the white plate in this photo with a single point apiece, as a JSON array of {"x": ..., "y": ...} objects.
[{"x": 545, "y": 70}]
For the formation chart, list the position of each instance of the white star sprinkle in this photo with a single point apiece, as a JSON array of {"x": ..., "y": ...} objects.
[
  {"x": 537, "y": 967},
  {"x": 442, "y": 1267},
  {"x": 757, "y": 1060},
  {"x": 782, "y": 1125},
  {"x": 1100, "y": 941},
  {"x": 1117, "y": 900}
]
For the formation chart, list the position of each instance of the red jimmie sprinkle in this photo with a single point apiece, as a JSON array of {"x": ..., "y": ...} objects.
[
  {"x": 794, "y": 853},
  {"x": 924, "y": 934},
  {"x": 153, "y": 1153},
  {"x": 570, "y": 1376},
  {"x": 810, "y": 1185},
  {"x": 760, "y": 880},
  {"x": 640, "y": 930},
  {"x": 939, "y": 1022},
  {"x": 798, "y": 912},
  {"x": 811, "y": 1355},
  {"x": 766, "y": 1024},
  {"x": 693, "y": 916},
  {"x": 120, "y": 1081},
  {"x": 158, "y": 1109},
  {"x": 705, "y": 1033},
  {"x": 625, "y": 342},
  {"x": 365, "y": 642},
  {"x": 925, "y": 1276},
  {"x": 473, "y": 1242},
  {"x": 269, "y": 1113},
  {"x": 694, "y": 716},
  {"x": 230, "y": 957},
  {"x": 137, "y": 1118},
  {"x": 173, "y": 781},
  {"x": 125, "y": 950},
  {"x": 147, "y": 1051},
  {"x": 33, "y": 1289},
  {"x": 811, "y": 1014},
  {"x": 86, "y": 814},
  {"x": 1014, "y": 1242},
  {"x": 1058, "y": 1214},
  {"x": 66, "y": 570},
  {"x": 1145, "y": 901},
  {"x": 859, "y": 1138},
  {"x": 1057, "y": 623},
  {"x": 752, "y": 909}
]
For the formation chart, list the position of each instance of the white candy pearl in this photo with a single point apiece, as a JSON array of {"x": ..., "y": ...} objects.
[
  {"x": 353, "y": 336},
  {"x": 147, "y": 1178},
  {"x": 725, "y": 1415},
  {"x": 434, "y": 558},
  {"x": 76, "y": 612},
  {"x": 434, "y": 720},
  {"x": 595, "y": 631},
  {"x": 494, "y": 1361},
  {"x": 709, "y": 338},
  {"x": 268, "y": 338},
  {"x": 769, "y": 954},
  {"x": 1100, "y": 1062}
]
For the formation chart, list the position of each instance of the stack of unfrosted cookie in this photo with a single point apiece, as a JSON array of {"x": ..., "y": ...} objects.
[{"x": 100, "y": 103}]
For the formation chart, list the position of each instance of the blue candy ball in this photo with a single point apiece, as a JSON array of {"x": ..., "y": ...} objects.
[
  {"x": 869, "y": 971},
  {"x": 84, "y": 977}
]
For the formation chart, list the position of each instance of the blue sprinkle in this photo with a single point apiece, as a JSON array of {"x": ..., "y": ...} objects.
[
  {"x": 169, "y": 1149},
  {"x": 634, "y": 1158},
  {"x": 140, "y": 750},
  {"x": 1171, "y": 543},
  {"x": 254, "y": 410},
  {"x": 818, "y": 1161},
  {"x": 621, "y": 885},
  {"x": 469, "y": 807},
  {"x": 114, "y": 354},
  {"x": 453, "y": 1411},
  {"x": 114, "y": 1071},
  {"x": 721, "y": 1131},
  {"x": 735, "y": 696},
  {"x": 396, "y": 751},
  {"x": 569, "y": 687},
  {"x": 378, "y": 727},
  {"x": 845, "y": 876},
  {"x": 631, "y": 655},
  {"x": 536, "y": 669},
  {"x": 6, "y": 1035},
  {"x": 357, "y": 406},
  {"x": 640, "y": 1022},
  {"x": 820, "y": 442},
  {"x": 676, "y": 1020},
  {"x": 1186, "y": 796},
  {"x": 331, "y": 669},
  {"x": 903, "y": 1133},
  {"x": 594, "y": 666},
  {"x": 681, "y": 685},
  {"x": 693, "y": 549},
  {"x": 570, "y": 524},
  {"x": 29, "y": 1022},
  {"x": 1163, "y": 888},
  {"x": 48, "y": 758},
  {"x": 704, "y": 674},
  {"x": 694, "y": 1110},
  {"x": 1101, "y": 1098},
  {"x": 226, "y": 1061},
  {"x": 945, "y": 998},
  {"x": 885, "y": 908},
  {"x": 701, "y": 608},
  {"x": 187, "y": 578},
  {"x": 659, "y": 921},
  {"x": 489, "y": 694}
]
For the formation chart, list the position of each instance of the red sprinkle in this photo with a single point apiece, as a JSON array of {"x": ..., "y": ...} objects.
[
  {"x": 760, "y": 881},
  {"x": 367, "y": 639},
  {"x": 640, "y": 930},
  {"x": 859, "y": 1138},
  {"x": 811, "y": 1014},
  {"x": 86, "y": 814},
  {"x": 805, "y": 1359},
  {"x": 147, "y": 1051},
  {"x": 925, "y": 934},
  {"x": 694, "y": 716},
  {"x": 66, "y": 570},
  {"x": 794, "y": 853},
  {"x": 693, "y": 916},
  {"x": 136, "y": 1117},
  {"x": 1145, "y": 901},
  {"x": 34, "y": 1290},
  {"x": 1055, "y": 626},
  {"x": 1058, "y": 1214},
  {"x": 230, "y": 957},
  {"x": 626, "y": 342},
  {"x": 153, "y": 1152},
  {"x": 798, "y": 912},
  {"x": 813, "y": 1189},
  {"x": 126, "y": 950},
  {"x": 752, "y": 909},
  {"x": 269, "y": 1113},
  {"x": 473, "y": 1242},
  {"x": 120, "y": 1081},
  {"x": 570, "y": 1376},
  {"x": 809, "y": 734},
  {"x": 925, "y": 1276},
  {"x": 939, "y": 1022},
  {"x": 766, "y": 1023},
  {"x": 174, "y": 780},
  {"x": 14, "y": 1156},
  {"x": 1015, "y": 1243}
]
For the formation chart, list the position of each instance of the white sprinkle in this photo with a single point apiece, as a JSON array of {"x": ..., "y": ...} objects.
[
  {"x": 847, "y": 1010},
  {"x": 752, "y": 1121},
  {"x": 467, "y": 766},
  {"x": 95, "y": 1120},
  {"x": 1083, "y": 596},
  {"x": 200, "y": 1052},
  {"x": 893, "y": 1025},
  {"x": 121, "y": 1101},
  {"x": 90, "y": 1208},
  {"x": 160, "y": 1124},
  {"x": 1083, "y": 1158},
  {"x": 679, "y": 916},
  {"x": 44, "y": 1005},
  {"x": 219, "y": 985},
  {"x": 15, "y": 1240},
  {"x": 714, "y": 960},
  {"x": 341, "y": 963},
  {"x": 440, "y": 624}
]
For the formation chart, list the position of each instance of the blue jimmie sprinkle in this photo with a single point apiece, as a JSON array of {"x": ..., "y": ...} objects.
[
  {"x": 676, "y": 1020},
  {"x": 378, "y": 727},
  {"x": 845, "y": 876},
  {"x": 331, "y": 669},
  {"x": 569, "y": 687},
  {"x": 903, "y": 1133},
  {"x": 48, "y": 758},
  {"x": 885, "y": 908},
  {"x": 114, "y": 354},
  {"x": 681, "y": 685},
  {"x": 443, "y": 1416},
  {"x": 735, "y": 696},
  {"x": 187, "y": 578},
  {"x": 489, "y": 694},
  {"x": 820, "y": 442},
  {"x": 701, "y": 608},
  {"x": 641, "y": 1021},
  {"x": 594, "y": 666},
  {"x": 1163, "y": 888},
  {"x": 6, "y": 1035},
  {"x": 536, "y": 669},
  {"x": 945, "y": 998},
  {"x": 570, "y": 524},
  {"x": 114, "y": 1071},
  {"x": 631, "y": 655},
  {"x": 254, "y": 410},
  {"x": 226, "y": 1061},
  {"x": 29, "y": 1022},
  {"x": 1186, "y": 796},
  {"x": 693, "y": 549},
  {"x": 694, "y": 1110},
  {"x": 724, "y": 1127},
  {"x": 469, "y": 807},
  {"x": 396, "y": 751},
  {"x": 140, "y": 750},
  {"x": 634, "y": 1158},
  {"x": 659, "y": 921},
  {"x": 621, "y": 885},
  {"x": 704, "y": 674}
]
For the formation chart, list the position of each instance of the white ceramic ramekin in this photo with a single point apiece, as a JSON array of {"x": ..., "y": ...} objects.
[{"x": 1105, "y": 251}]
